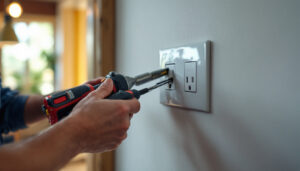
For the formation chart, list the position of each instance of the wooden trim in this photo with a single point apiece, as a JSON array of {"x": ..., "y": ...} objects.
[
  {"x": 107, "y": 62},
  {"x": 101, "y": 62},
  {"x": 107, "y": 35}
]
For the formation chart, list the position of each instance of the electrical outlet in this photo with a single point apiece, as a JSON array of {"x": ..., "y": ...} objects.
[
  {"x": 170, "y": 86},
  {"x": 190, "y": 76},
  {"x": 190, "y": 68}
]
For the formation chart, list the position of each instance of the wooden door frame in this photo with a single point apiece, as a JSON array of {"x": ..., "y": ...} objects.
[{"x": 101, "y": 60}]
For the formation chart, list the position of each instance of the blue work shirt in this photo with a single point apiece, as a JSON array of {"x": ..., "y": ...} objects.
[{"x": 12, "y": 108}]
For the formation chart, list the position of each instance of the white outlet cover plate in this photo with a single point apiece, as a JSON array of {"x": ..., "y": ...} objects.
[{"x": 178, "y": 97}]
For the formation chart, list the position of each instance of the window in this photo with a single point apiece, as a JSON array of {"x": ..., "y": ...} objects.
[{"x": 29, "y": 65}]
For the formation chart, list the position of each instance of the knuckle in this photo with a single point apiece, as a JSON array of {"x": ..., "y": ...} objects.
[
  {"x": 125, "y": 125},
  {"x": 123, "y": 109},
  {"x": 93, "y": 93},
  {"x": 124, "y": 137},
  {"x": 138, "y": 104}
]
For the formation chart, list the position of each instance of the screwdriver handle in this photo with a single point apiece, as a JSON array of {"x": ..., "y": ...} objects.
[{"x": 125, "y": 95}]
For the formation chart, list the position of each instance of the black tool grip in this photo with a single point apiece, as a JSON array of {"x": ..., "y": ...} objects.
[{"x": 125, "y": 95}]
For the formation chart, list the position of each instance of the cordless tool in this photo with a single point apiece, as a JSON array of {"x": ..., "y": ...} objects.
[{"x": 58, "y": 105}]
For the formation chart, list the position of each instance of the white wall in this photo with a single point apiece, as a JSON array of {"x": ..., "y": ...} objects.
[{"x": 255, "y": 119}]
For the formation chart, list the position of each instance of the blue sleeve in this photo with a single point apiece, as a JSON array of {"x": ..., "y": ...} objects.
[{"x": 12, "y": 108}]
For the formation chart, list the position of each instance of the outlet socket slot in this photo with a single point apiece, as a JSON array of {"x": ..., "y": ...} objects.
[
  {"x": 171, "y": 66},
  {"x": 190, "y": 73}
]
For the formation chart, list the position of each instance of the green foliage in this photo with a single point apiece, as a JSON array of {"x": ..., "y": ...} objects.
[
  {"x": 35, "y": 78},
  {"x": 18, "y": 77},
  {"x": 50, "y": 59},
  {"x": 23, "y": 69},
  {"x": 36, "y": 81}
]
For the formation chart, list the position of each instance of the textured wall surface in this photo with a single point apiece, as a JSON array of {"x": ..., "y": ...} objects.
[{"x": 255, "y": 119}]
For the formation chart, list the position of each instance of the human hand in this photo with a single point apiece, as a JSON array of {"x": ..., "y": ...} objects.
[
  {"x": 95, "y": 81},
  {"x": 98, "y": 80},
  {"x": 100, "y": 124}
]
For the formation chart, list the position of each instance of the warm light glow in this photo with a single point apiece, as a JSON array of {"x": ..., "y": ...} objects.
[{"x": 14, "y": 9}]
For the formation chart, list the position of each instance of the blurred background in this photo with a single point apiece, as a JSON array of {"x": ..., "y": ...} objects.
[{"x": 43, "y": 48}]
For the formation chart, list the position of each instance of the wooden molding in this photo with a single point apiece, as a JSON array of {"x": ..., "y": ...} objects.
[
  {"x": 101, "y": 62},
  {"x": 107, "y": 36}
]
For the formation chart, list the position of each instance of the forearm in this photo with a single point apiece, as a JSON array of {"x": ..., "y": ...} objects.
[
  {"x": 48, "y": 151},
  {"x": 33, "y": 109},
  {"x": 95, "y": 125}
]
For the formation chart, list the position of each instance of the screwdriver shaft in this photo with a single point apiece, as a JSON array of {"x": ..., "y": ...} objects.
[{"x": 161, "y": 83}]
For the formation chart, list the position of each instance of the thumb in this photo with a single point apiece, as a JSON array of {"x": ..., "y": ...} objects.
[{"x": 104, "y": 89}]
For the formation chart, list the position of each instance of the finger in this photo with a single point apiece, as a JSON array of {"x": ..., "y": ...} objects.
[
  {"x": 124, "y": 136},
  {"x": 133, "y": 104},
  {"x": 96, "y": 81},
  {"x": 104, "y": 89}
]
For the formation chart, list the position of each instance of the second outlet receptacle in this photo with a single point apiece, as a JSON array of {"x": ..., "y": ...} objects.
[{"x": 190, "y": 76}]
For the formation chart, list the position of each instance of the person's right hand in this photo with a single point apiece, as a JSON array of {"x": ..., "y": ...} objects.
[{"x": 100, "y": 124}]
